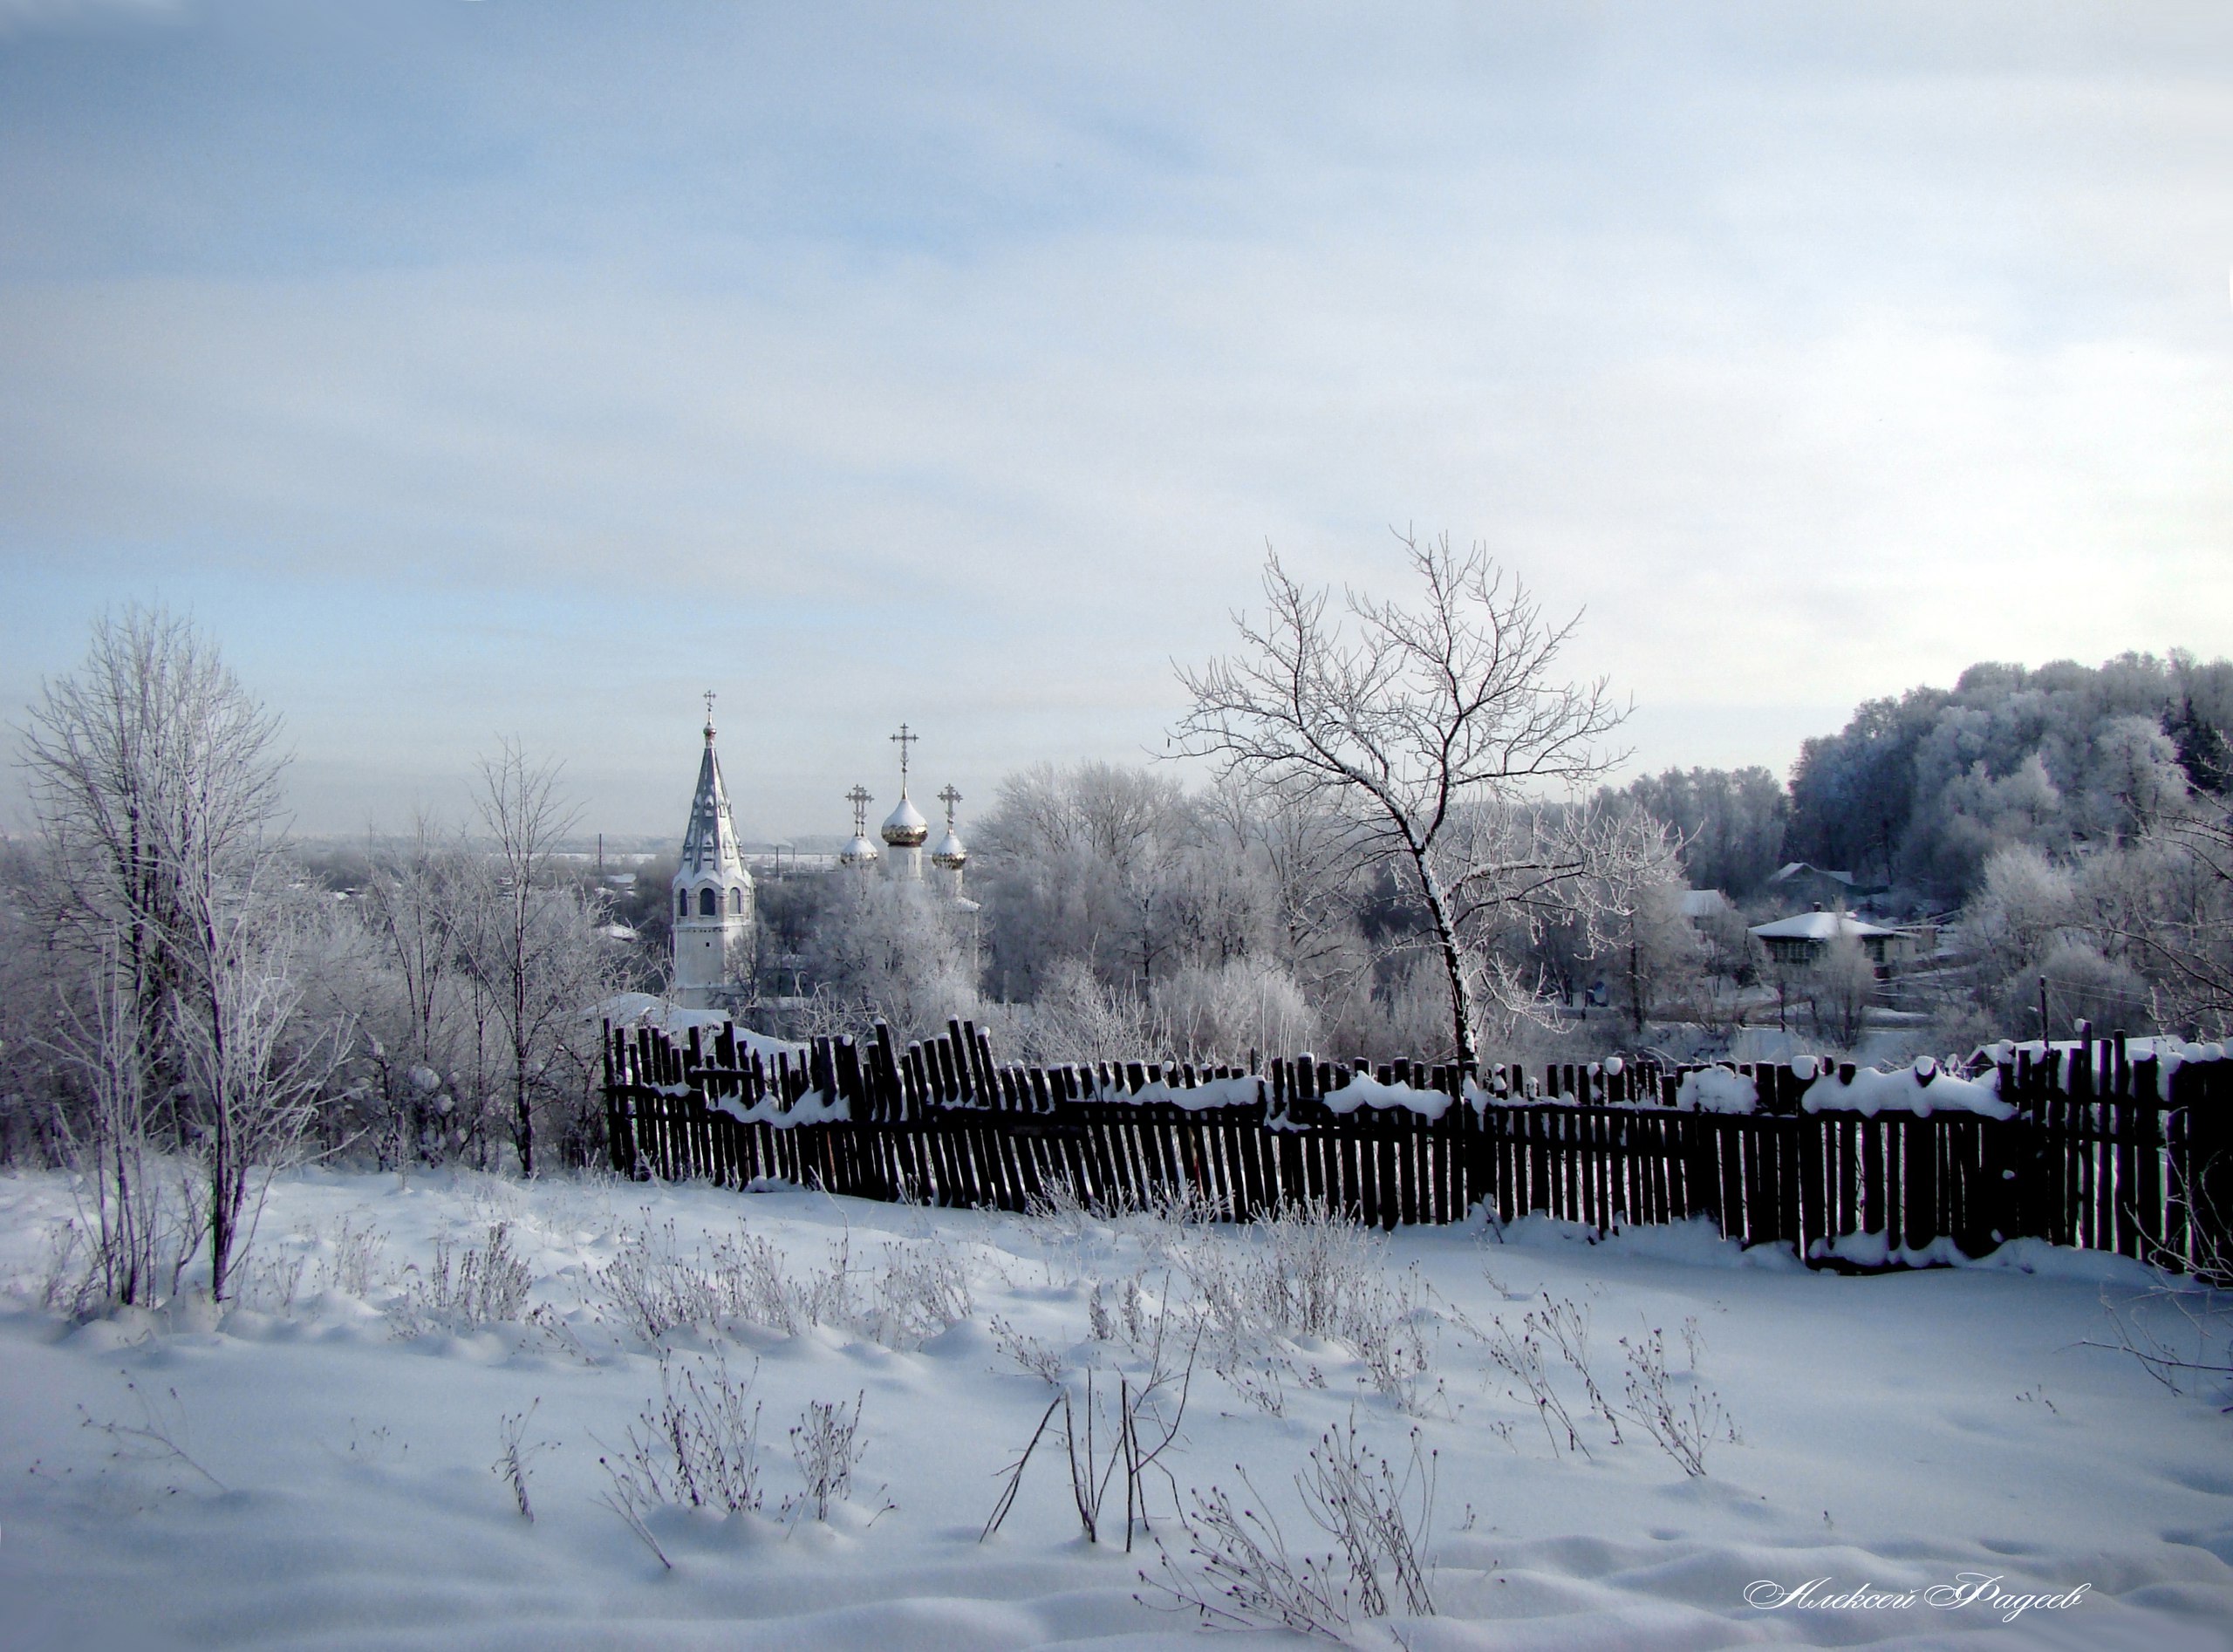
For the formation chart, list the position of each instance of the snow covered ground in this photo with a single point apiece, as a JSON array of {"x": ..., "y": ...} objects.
[{"x": 332, "y": 1486}]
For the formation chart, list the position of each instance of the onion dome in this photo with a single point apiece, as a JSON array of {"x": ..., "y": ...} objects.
[
  {"x": 950, "y": 854},
  {"x": 904, "y": 828},
  {"x": 860, "y": 851}
]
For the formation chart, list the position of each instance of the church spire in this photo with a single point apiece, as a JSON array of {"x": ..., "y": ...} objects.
[
  {"x": 712, "y": 892},
  {"x": 709, "y": 843}
]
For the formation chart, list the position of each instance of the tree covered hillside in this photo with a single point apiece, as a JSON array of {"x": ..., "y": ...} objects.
[{"x": 1920, "y": 789}]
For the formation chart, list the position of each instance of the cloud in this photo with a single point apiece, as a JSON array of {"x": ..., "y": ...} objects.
[
  {"x": 24, "y": 16},
  {"x": 506, "y": 369}
]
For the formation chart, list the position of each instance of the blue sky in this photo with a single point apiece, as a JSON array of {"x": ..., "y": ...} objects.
[{"x": 523, "y": 369}]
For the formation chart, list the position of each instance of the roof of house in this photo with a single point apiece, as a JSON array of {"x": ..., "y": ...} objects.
[
  {"x": 1817, "y": 926},
  {"x": 1704, "y": 903},
  {"x": 1790, "y": 870}
]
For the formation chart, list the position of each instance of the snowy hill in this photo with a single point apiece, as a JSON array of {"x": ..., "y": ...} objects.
[{"x": 314, "y": 1467}]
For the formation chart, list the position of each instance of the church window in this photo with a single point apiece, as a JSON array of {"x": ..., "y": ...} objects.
[
  {"x": 707, "y": 906},
  {"x": 737, "y": 903},
  {"x": 682, "y": 904}
]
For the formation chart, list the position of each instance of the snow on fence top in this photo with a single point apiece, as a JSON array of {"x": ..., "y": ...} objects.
[
  {"x": 1717, "y": 1090},
  {"x": 1921, "y": 1089},
  {"x": 2170, "y": 1054},
  {"x": 1364, "y": 1090},
  {"x": 1200, "y": 1098},
  {"x": 754, "y": 1079}
]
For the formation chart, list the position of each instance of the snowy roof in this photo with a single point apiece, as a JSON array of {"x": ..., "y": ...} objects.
[
  {"x": 950, "y": 851},
  {"x": 1816, "y": 926},
  {"x": 645, "y": 1009},
  {"x": 904, "y": 828},
  {"x": 859, "y": 852},
  {"x": 1790, "y": 870},
  {"x": 1704, "y": 903}
]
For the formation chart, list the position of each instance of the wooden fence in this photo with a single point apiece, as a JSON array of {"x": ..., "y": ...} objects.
[{"x": 2101, "y": 1152}]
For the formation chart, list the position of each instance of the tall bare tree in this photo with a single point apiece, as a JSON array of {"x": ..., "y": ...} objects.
[
  {"x": 145, "y": 1215},
  {"x": 255, "y": 1069},
  {"x": 156, "y": 779},
  {"x": 1434, "y": 727},
  {"x": 530, "y": 941},
  {"x": 2179, "y": 926}
]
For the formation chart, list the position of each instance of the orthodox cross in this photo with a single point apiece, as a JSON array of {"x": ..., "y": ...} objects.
[
  {"x": 858, "y": 797},
  {"x": 709, "y": 713},
  {"x": 949, "y": 797},
  {"x": 904, "y": 739}
]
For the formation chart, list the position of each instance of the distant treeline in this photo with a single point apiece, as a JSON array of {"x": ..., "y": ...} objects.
[{"x": 1919, "y": 790}]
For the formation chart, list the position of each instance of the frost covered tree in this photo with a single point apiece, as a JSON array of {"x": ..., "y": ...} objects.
[
  {"x": 1097, "y": 862},
  {"x": 2169, "y": 904},
  {"x": 1240, "y": 1007},
  {"x": 1433, "y": 728},
  {"x": 1923, "y": 788},
  {"x": 1730, "y": 822},
  {"x": 891, "y": 949},
  {"x": 530, "y": 941},
  {"x": 155, "y": 776},
  {"x": 255, "y": 1069},
  {"x": 1841, "y": 987}
]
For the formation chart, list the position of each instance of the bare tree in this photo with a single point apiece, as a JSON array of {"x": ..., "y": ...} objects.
[
  {"x": 1841, "y": 987},
  {"x": 414, "y": 1015},
  {"x": 1430, "y": 725},
  {"x": 256, "y": 1070},
  {"x": 156, "y": 778},
  {"x": 2186, "y": 941},
  {"x": 531, "y": 942},
  {"x": 145, "y": 1217}
]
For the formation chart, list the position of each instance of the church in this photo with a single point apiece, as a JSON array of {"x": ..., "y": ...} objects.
[{"x": 713, "y": 892}]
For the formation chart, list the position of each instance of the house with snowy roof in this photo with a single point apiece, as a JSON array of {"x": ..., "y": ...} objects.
[
  {"x": 1803, "y": 939},
  {"x": 1797, "y": 883}
]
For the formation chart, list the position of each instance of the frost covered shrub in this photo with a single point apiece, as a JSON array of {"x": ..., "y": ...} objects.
[
  {"x": 911, "y": 1295},
  {"x": 1244, "y": 1576},
  {"x": 653, "y": 1288},
  {"x": 697, "y": 1448},
  {"x": 1301, "y": 1272},
  {"x": 827, "y": 1446},
  {"x": 355, "y": 1252},
  {"x": 349, "y": 1259},
  {"x": 1305, "y": 1272},
  {"x": 1562, "y": 1324},
  {"x": 1223, "y": 1012},
  {"x": 1682, "y": 1417},
  {"x": 484, "y": 1285}
]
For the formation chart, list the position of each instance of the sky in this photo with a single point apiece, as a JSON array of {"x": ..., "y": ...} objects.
[{"x": 523, "y": 369}]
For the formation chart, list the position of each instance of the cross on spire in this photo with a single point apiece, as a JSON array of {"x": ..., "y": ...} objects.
[
  {"x": 949, "y": 797},
  {"x": 709, "y": 717},
  {"x": 904, "y": 739},
  {"x": 859, "y": 798}
]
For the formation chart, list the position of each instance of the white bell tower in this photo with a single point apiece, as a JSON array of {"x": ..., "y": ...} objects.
[{"x": 713, "y": 905}]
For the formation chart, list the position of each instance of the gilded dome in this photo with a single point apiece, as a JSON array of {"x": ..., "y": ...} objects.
[
  {"x": 950, "y": 853},
  {"x": 904, "y": 828}
]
